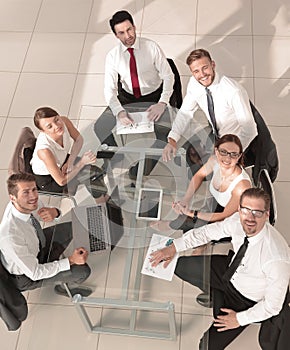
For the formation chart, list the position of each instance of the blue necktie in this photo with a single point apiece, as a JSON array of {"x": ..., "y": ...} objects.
[
  {"x": 40, "y": 234},
  {"x": 210, "y": 107}
]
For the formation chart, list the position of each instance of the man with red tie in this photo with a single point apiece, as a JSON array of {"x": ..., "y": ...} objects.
[{"x": 136, "y": 71}]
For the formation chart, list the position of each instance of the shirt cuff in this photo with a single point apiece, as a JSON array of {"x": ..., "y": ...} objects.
[
  {"x": 242, "y": 318},
  {"x": 174, "y": 136},
  {"x": 179, "y": 244},
  {"x": 64, "y": 264}
]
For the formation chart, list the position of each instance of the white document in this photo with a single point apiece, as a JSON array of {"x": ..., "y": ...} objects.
[
  {"x": 141, "y": 124},
  {"x": 158, "y": 242}
]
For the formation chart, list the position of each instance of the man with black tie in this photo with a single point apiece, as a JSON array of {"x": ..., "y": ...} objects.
[
  {"x": 136, "y": 71},
  {"x": 224, "y": 101},
  {"x": 30, "y": 254},
  {"x": 250, "y": 284}
]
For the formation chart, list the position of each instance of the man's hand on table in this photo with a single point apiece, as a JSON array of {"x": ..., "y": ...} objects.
[{"x": 165, "y": 254}]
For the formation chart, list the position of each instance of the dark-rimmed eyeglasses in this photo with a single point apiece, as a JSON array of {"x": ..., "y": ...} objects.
[
  {"x": 224, "y": 153},
  {"x": 254, "y": 212}
]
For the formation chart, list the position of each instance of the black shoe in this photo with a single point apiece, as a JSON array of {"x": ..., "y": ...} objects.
[
  {"x": 83, "y": 291},
  {"x": 204, "y": 300}
]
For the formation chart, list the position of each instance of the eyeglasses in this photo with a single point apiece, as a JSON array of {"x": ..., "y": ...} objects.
[
  {"x": 256, "y": 213},
  {"x": 224, "y": 153}
]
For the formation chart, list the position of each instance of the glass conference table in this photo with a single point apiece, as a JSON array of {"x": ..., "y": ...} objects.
[{"x": 117, "y": 281}]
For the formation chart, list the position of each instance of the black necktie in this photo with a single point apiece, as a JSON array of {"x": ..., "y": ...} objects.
[
  {"x": 40, "y": 234},
  {"x": 210, "y": 107},
  {"x": 236, "y": 262}
]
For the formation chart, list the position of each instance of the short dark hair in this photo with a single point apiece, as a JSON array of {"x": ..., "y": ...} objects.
[
  {"x": 255, "y": 192},
  {"x": 235, "y": 139},
  {"x": 43, "y": 112},
  {"x": 119, "y": 17},
  {"x": 196, "y": 55},
  {"x": 14, "y": 179}
]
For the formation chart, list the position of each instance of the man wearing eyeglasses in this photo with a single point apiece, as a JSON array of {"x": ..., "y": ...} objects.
[{"x": 250, "y": 284}]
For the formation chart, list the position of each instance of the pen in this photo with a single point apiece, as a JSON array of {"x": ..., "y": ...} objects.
[{"x": 169, "y": 242}]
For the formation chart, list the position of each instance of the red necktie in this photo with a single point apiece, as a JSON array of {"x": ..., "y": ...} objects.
[{"x": 134, "y": 75}]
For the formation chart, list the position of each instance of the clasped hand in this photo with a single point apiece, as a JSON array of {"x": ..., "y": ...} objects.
[{"x": 181, "y": 207}]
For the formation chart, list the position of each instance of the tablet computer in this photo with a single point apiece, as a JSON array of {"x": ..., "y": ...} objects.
[{"x": 149, "y": 204}]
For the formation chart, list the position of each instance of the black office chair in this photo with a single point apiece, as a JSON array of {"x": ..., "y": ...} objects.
[{"x": 176, "y": 97}]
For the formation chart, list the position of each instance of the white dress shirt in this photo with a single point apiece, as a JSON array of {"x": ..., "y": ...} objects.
[
  {"x": 152, "y": 69},
  {"x": 60, "y": 152},
  {"x": 19, "y": 246},
  {"x": 263, "y": 275},
  {"x": 231, "y": 105}
]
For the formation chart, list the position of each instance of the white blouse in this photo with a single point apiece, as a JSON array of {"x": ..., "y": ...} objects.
[{"x": 60, "y": 153}]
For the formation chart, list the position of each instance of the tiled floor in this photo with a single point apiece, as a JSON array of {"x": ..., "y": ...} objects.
[{"x": 52, "y": 53}]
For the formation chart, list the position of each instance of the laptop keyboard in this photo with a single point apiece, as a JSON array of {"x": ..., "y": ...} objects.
[{"x": 98, "y": 239}]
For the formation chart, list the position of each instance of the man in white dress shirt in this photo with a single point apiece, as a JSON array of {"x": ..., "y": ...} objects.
[
  {"x": 155, "y": 79},
  {"x": 256, "y": 290},
  {"x": 231, "y": 104},
  {"x": 30, "y": 254}
]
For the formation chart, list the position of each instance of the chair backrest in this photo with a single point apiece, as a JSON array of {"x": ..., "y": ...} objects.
[
  {"x": 176, "y": 97},
  {"x": 264, "y": 182},
  {"x": 20, "y": 161},
  {"x": 262, "y": 152}
]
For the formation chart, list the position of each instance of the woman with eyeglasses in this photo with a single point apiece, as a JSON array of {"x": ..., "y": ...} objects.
[{"x": 229, "y": 180}]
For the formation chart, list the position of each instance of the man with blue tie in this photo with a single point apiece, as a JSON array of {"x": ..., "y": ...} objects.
[{"x": 31, "y": 254}]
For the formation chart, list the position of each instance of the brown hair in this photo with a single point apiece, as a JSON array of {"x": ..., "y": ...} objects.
[
  {"x": 43, "y": 112},
  {"x": 258, "y": 193},
  {"x": 232, "y": 138},
  {"x": 14, "y": 179},
  {"x": 196, "y": 55}
]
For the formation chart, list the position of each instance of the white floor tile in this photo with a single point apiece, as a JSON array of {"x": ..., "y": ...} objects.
[
  {"x": 89, "y": 91},
  {"x": 9, "y": 80},
  {"x": 54, "y": 53},
  {"x": 272, "y": 100},
  {"x": 36, "y": 90},
  {"x": 94, "y": 53},
  {"x": 181, "y": 16},
  {"x": 13, "y": 50},
  {"x": 280, "y": 136},
  {"x": 47, "y": 327},
  {"x": 230, "y": 18},
  {"x": 274, "y": 20},
  {"x": 103, "y": 11},
  {"x": 271, "y": 57},
  {"x": 71, "y": 16},
  {"x": 17, "y": 15}
]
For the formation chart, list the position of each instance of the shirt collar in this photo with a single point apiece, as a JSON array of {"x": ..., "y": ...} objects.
[
  {"x": 19, "y": 215},
  {"x": 258, "y": 237},
  {"x": 216, "y": 81},
  {"x": 135, "y": 46}
]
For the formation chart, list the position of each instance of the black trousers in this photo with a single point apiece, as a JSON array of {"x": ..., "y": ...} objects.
[
  {"x": 57, "y": 239},
  {"x": 192, "y": 269}
]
